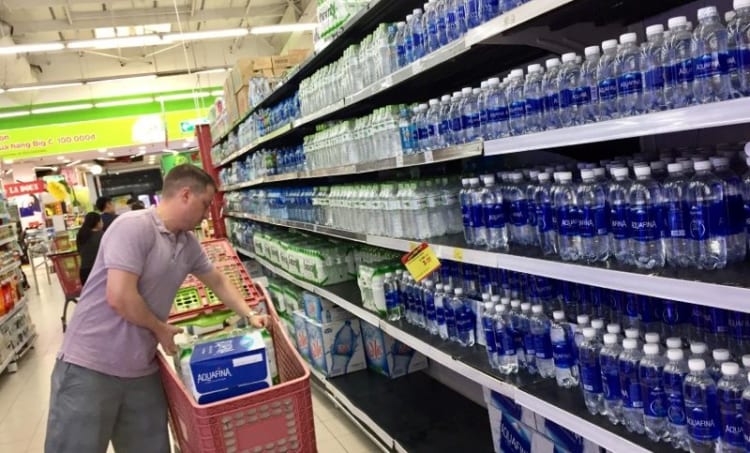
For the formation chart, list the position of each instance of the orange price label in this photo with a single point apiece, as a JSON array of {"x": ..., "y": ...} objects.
[{"x": 421, "y": 262}]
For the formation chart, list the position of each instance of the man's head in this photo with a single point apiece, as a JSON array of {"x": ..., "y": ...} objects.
[
  {"x": 187, "y": 194},
  {"x": 104, "y": 204}
]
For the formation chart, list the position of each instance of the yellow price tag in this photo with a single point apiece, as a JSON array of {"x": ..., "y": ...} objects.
[
  {"x": 412, "y": 246},
  {"x": 421, "y": 262},
  {"x": 458, "y": 255}
]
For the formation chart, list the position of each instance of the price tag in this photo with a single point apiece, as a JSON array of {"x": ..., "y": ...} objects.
[
  {"x": 421, "y": 262},
  {"x": 458, "y": 255},
  {"x": 428, "y": 157}
]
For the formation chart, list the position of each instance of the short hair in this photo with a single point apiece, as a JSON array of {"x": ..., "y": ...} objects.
[
  {"x": 101, "y": 203},
  {"x": 131, "y": 200},
  {"x": 137, "y": 205},
  {"x": 186, "y": 175}
]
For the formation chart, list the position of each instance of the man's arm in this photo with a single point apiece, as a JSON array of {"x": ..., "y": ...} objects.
[
  {"x": 124, "y": 298},
  {"x": 230, "y": 296}
]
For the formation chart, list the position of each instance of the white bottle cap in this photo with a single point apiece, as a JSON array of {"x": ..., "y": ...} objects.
[
  {"x": 488, "y": 306},
  {"x": 632, "y": 333},
  {"x": 417, "y": 11},
  {"x": 719, "y": 161},
  {"x": 526, "y": 306},
  {"x": 552, "y": 62},
  {"x": 533, "y": 174},
  {"x": 589, "y": 332},
  {"x": 597, "y": 324},
  {"x": 466, "y": 90},
  {"x": 565, "y": 176},
  {"x": 652, "y": 337},
  {"x": 642, "y": 171},
  {"x": 495, "y": 298},
  {"x": 675, "y": 354},
  {"x": 445, "y": 98},
  {"x": 558, "y": 315},
  {"x": 619, "y": 172},
  {"x": 628, "y": 38},
  {"x": 650, "y": 349},
  {"x": 746, "y": 357},
  {"x": 609, "y": 44},
  {"x": 674, "y": 343},
  {"x": 434, "y": 102},
  {"x": 544, "y": 176},
  {"x": 488, "y": 180},
  {"x": 654, "y": 29},
  {"x": 720, "y": 354},
  {"x": 484, "y": 84},
  {"x": 439, "y": 287},
  {"x": 697, "y": 364},
  {"x": 456, "y": 94},
  {"x": 729, "y": 16},
  {"x": 515, "y": 303},
  {"x": 674, "y": 168},
  {"x": 702, "y": 165},
  {"x": 591, "y": 50},
  {"x": 476, "y": 90},
  {"x": 679, "y": 21},
  {"x": 473, "y": 180},
  {"x": 730, "y": 369},
  {"x": 505, "y": 300},
  {"x": 657, "y": 165},
  {"x": 707, "y": 11},
  {"x": 486, "y": 297},
  {"x": 737, "y": 4},
  {"x": 568, "y": 57},
  {"x": 516, "y": 73},
  {"x": 401, "y": 24},
  {"x": 409, "y": 17},
  {"x": 587, "y": 174},
  {"x": 582, "y": 320},
  {"x": 536, "y": 309},
  {"x": 458, "y": 291},
  {"x": 613, "y": 328},
  {"x": 500, "y": 308},
  {"x": 599, "y": 172},
  {"x": 629, "y": 343},
  {"x": 516, "y": 176},
  {"x": 610, "y": 339},
  {"x": 534, "y": 68},
  {"x": 495, "y": 81},
  {"x": 698, "y": 347}
]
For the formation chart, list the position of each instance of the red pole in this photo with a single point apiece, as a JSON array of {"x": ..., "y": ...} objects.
[{"x": 203, "y": 133}]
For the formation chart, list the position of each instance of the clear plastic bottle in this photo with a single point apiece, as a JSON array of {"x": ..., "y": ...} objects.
[
  {"x": 652, "y": 63},
  {"x": 609, "y": 357},
  {"x": 401, "y": 60},
  {"x": 540, "y": 330},
  {"x": 534, "y": 119},
  {"x": 702, "y": 408},
  {"x": 629, "y": 77},
  {"x": 433, "y": 121},
  {"x": 677, "y": 243},
  {"x": 528, "y": 338},
  {"x": 452, "y": 304},
  {"x": 619, "y": 207},
  {"x": 423, "y": 135},
  {"x": 705, "y": 201},
  {"x": 506, "y": 346},
  {"x": 561, "y": 337},
  {"x": 720, "y": 356},
  {"x": 606, "y": 76},
  {"x": 430, "y": 26},
  {"x": 470, "y": 123},
  {"x": 465, "y": 319},
  {"x": 551, "y": 87},
  {"x": 645, "y": 202},
  {"x": 587, "y": 91},
  {"x": 735, "y": 206},
  {"x": 729, "y": 390},
  {"x": 516, "y": 103},
  {"x": 591, "y": 197},
  {"x": 675, "y": 372},
  {"x": 591, "y": 371},
  {"x": 521, "y": 232},
  {"x": 569, "y": 77},
  {"x": 497, "y": 111},
  {"x": 464, "y": 198},
  {"x": 476, "y": 215},
  {"x": 651, "y": 377},
  {"x": 710, "y": 38},
  {"x": 681, "y": 67},
  {"x": 441, "y": 299},
  {"x": 746, "y": 408},
  {"x": 493, "y": 216},
  {"x": 740, "y": 30},
  {"x": 530, "y": 189},
  {"x": 546, "y": 231},
  {"x": 430, "y": 310},
  {"x": 632, "y": 400},
  {"x": 392, "y": 302},
  {"x": 488, "y": 324},
  {"x": 418, "y": 35},
  {"x": 444, "y": 135},
  {"x": 456, "y": 115},
  {"x": 517, "y": 331},
  {"x": 566, "y": 208}
]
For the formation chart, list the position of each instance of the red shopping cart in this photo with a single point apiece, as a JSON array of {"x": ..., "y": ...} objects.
[{"x": 67, "y": 266}]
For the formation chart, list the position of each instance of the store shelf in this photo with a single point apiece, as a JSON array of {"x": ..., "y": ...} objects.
[
  {"x": 28, "y": 343},
  {"x": 4, "y": 366},
  {"x": 717, "y": 114},
  {"x": 278, "y": 132},
  {"x": 16, "y": 308},
  {"x": 9, "y": 267},
  {"x": 7, "y": 240}
]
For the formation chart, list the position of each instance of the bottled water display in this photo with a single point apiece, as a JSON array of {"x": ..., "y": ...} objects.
[
  {"x": 702, "y": 408},
  {"x": 591, "y": 371},
  {"x": 651, "y": 376},
  {"x": 632, "y": 399},
  {"x": 609, "y": 358},
  {"x": 729, "y": 388},
  {"x": 561, "y": 337},
  {"x": 675, "y": 372}
]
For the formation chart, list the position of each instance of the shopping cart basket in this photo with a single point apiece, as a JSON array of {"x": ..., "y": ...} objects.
[
  {"x": 277, "y": 419},
  {"x": 67, "y": 266}
]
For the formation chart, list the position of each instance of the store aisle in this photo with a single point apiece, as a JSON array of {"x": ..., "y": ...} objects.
[{"x": 24, "y": 395}]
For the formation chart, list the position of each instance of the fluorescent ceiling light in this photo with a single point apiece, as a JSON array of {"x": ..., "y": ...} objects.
[
  {"x": 122, "y": 79},
  {"x": 207, "y": 34},
  {"x": 8, "y": 161},
  {"x": 212, "y": 71},
  {"x": 31, "y": 48},
  {"x": 60, "y": 157},
  {"x": 179, "y": 97},
  {"x": 217, "y": 93},
  {"x": 44, "y": 87},
  {"x": 135, "y": 101},
  {"x": 62, "y": 108},
  {"x": 15, "y": 114},
  {"x": 117, "y": 43},
  {"x": 282, "y": 28}
]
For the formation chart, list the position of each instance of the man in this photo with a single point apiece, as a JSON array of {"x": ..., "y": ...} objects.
[
  {"x": 105, "y": 384},
  {"x": 107, "y": 208}
]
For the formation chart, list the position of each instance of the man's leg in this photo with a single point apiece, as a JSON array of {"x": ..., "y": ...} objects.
[
  {"x": 82, "y": 410},
  {"x": 141, "y": 425}
]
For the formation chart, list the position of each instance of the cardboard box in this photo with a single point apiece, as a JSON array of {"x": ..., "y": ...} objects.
[
  {"x": 564, "y": 439},
  {"x": 323, "y": 310},
  {"x": 260, "y": 63},
  {"x": 300, "y": 54},
  {"x": 243, "y": 101},
  {"x": 509, "y": 407},
  {"x": 301, "y": 339},
  {"x": 241, "y": 71},
  {"x": 229, "y": 367},
  {"x": 388, "y": 356},
  {"x": 336, "y": 347}
]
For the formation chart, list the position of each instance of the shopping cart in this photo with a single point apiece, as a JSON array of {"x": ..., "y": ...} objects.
[
  {"x": 277, "y": 419},
  {"x": 67, "y": 266}
]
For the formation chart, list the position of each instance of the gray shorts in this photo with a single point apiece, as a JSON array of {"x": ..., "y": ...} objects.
[{"x": 89, "y": 409}]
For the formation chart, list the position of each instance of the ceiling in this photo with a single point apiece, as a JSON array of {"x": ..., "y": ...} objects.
[{"x": 45, "y": 21}]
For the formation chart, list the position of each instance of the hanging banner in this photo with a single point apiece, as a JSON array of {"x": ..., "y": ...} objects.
[{"x": 24, "y": 188}]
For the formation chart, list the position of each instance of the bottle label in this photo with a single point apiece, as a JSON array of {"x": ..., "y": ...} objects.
[
  {"x": 562, "y": 353},
  {"x": 731, "y": 419},
  {"x": 519, "y": 210},
  {"x": 431, "y": 129},
  {"x": 416, "y": 39},
  {"x": 440, "y": 311},
  {"x": 533, "y": 106},
  {"x": 607, "y": 89},
  {"x": 406, "y": 142},
  {"x": 566, "y": 98},
  {"x": 445, "y": 127},
  {"x": 498, "y": 114},
  {"x": 618, "y": 221},
  {"x": 610, "y": 378},
  {"x": 552, "y": 102},
  {"x": 676, "y": 219},
  {"x": 683, "y": 71},
  {"x": 743, "y": 58},
  {"x": 736, "y": 214},
  {"x": 567, "y": 218},
  {"x": 465, "y": 320},
  {"x": 732, "y": 60},
  {"x": 630, "y": 83},
  {"x": 593, "y": 222},
  {"x": 450, "y": 319},
  {"x": 474, "y": 120},
  {"x": 484, "y": 116},
  {"x": 475, "y": 215},
  {"x": 631, "y": 389},
  {"x": 591, "y": 372},
  {"x": 489, "y": 333},
  {"x": 652, "y": 389},
  {"x": 495, "y": 217},
  {"x": 466, "y": 215},
  {"x": 644, "y": 225},
  {"x": 391, "y": 299},
  {"x": 675, "y": 402},
  {"x": 582, "y": 96},
  {"x": 456, "y": 124},
  {"x": 509, "y": 343},
  {"x": 429, "y": 307},
  {"x": 711, "y": 64},
  {"x": 531, "y": 212},
  {"x": 544, "y": 216},
  {"x": 654, "y": 79},
  {"x": 746, "y": 420},
  {"x": 543, "y": 345},
  {"x": 719, "y": 321},
  {"x": 703, "y": 420},
  {"x": 705, "y": 220},
  {"x": 517, "y": 109},
  {"x": 528, "y": 345}
]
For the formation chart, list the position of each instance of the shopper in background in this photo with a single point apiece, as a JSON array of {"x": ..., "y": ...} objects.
[
  {"x": 88, "y": 238},
  {"x": 137, "y": 206},
  {"x": 105, "y": 383},
  {"x": 107, "y": 208}
]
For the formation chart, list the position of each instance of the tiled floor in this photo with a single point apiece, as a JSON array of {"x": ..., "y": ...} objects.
[{"x": 24, "y": 395}]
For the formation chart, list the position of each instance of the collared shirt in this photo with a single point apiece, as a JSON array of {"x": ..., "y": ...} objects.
[{"x": 98, "y": 338}]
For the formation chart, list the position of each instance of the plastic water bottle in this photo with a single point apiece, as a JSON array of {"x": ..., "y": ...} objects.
[
  {"x": 488, "y": 324},
  {"x": 517, "y": 103},
  {"x": 746, "y": 412},
  {"x": 591, "y": 372},
  {"x": 409, "y": 39},
  {"x": 729, "y": 390},
  {"x": 540, "y": 330},
  {"x": 736, "y": 237},
  {"x": 506, "y": 346},
  {"x": 582, "y": 321},
  {"x": 561, "y": 336},
  {"x": 476, "y": 220},
  {"x": 534, "y": 99},
  {"x": 423, "y": 135},
  {"x": 440, "y": 306},
  {"x": 545, "y": 225},
  {"x": 521, "y": 232},
  {"x": 497, "y": 111},
  {"x": 606, "y": 76},
  {"x": 430, "y": 310},
  {"x": 702, "y": 408},
  {"x": 456, "y": 115},
  {"x": 551, "y": 87},
  {"x": 629, "y": 76},
  {"x": 434, "y": 139},
  {"x": 651, "y": 376},
  {"x": 720, "y": 356},
  {"x": 473, "y": 13},
  {"x": 682, "y": 72},
  {"x": 675, "y": 372},
  {"x": 568, "y": 215},
  {"x": 592, "y": 223},
  {"x": 632, "y": 401},
  {"x": 470, "y": 115},
  {"x": 401, "y": 44},
  {"x": 609, "y": 357},
  {"x": 452, "y": 304},
  {"x": 528, "y": 338},
  {"x": 515, "y": 318},
  {"x": 587, "y": 92},
  {"x": 619, "y": 208},
  {"x": 710, "y": 38},
  {"x": 392, "y": 302},
  {"x": 738, "y": 30},
  {"x": 490, "y": 9},
  {"x": 652, "y": 63},
  {"x": 465, "y": 319},
  {"x": 707, "y": 212},
  {"x": 677, "y": 245},
  {"x": 568, "y": 82},
  {"x": 430, "y": 27},
  {"x": 418, "y": 33},
  {"x": 493, "y": 216},
  {"x": 645, "y": 200}
]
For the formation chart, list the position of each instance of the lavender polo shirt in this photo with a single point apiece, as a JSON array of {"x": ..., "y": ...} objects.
[{"x": 138, "y": 242}]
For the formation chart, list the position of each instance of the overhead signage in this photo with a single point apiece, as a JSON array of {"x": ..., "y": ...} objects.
[{"x": 24, "y": 188}]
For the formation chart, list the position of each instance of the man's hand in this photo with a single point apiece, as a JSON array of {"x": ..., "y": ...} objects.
[
  {"x": 259, "y": 321},
  {"x": 165, "y": 336}
]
